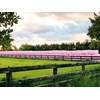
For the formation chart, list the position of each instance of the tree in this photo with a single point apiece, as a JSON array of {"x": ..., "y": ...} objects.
[
  {"x": 78, "y": 46},
  {"x": 44, "y": 47},
  {"x": 86, "y": 44},
  {"x": 64, "y": 46},
  {"x": 94, "y": 44},
  {"x": 71, "y": 46},
  {"x": 94, "y": 29},
  {"x": 7, "y": 20},
  {"x": 26, "y": 47}
]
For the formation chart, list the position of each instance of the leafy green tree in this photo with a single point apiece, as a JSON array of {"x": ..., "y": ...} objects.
[
  {"x": 71, "y": 46},
  {"x": 63, "y": 46},
  {"x": 54, "y": 47},
  {"x": 86, "y": 44},
  {"x": 45, "y": 47},
  {"x": 94, "y": 29},
  {"x": 25, "y": 47},
  {"x": 7, "y": 20},
  {"x": 78, "y": 46},
  {"x": 94, "y": 45}
]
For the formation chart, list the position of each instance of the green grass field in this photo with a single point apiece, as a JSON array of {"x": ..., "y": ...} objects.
[{"x": 13, "y": 62}]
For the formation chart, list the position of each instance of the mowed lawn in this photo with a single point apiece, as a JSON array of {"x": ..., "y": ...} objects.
[{"x": 13, "y": 62}]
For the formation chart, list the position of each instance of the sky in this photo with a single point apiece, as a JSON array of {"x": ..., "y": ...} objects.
[{"x": 51, "y": 27}]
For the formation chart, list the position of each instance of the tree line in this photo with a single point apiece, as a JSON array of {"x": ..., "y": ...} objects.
[{"x": 86, "y": 45}]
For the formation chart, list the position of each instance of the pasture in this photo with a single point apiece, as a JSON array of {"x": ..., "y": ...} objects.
[
  {"x": 19, "y": 62},
  {"x": 13, "y": 62}
]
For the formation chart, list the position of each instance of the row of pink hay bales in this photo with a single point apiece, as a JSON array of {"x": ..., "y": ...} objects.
[
  {"x": 53, "y": 52},
  {"x": 58, "y": 53}
]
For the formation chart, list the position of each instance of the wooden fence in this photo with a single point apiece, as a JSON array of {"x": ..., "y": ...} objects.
[
  {"x": 63, "y": 57},
  {"x": 10, "y": 82}
]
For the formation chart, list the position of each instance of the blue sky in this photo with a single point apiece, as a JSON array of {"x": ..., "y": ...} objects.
[{"x": 51, "y": 27}]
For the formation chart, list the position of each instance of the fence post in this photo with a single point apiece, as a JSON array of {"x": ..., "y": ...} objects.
[
  {"x": 83, "y": 69},
  {"x": 35, "y": 56},
  {"x": 62, "y": 57},
  {"x": 54, "y": 57},
  {"x": 71, "y": 57},
  {"x": 47, "y": 56},
  {"x": 80, "y": 57},
  {"x": 54, "y": 73},
  {"x": 54, "y": 70},
  {"x": 91, "y": 58},
  {"x": 9, "y": 77},
  {"x": 40, "y": 56}
]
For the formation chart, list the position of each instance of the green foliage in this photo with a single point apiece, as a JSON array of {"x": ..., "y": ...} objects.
[
  {"x": 95, "y": 45},
  {"x": 90, "y": 82},
  {"x": 94, "y": 29},
  {"x": 7, "y": 20},
  {"x": 26, "y": 47},
  {"x": 64, "y": 46}
]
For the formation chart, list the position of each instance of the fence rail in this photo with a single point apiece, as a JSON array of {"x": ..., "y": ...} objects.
[
  {"x": 63, "y": 57},
  {"x": 10, "y": 70},
  {"x": 57, "y": 76},
  {"x": 39, "y": 67}
]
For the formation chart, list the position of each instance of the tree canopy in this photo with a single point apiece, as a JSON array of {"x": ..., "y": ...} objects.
[
  {"x": 94, "y": 29},
  {"x": 7, "y": 20},
  {"x": 86, "y": 45}
]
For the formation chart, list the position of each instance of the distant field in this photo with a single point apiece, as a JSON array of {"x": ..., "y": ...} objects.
[{"x": 13, "y": 62}]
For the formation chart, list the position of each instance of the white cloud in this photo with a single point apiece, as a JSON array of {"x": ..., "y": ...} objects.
[
  {"x": 40, "y": 28},
  {"x": 76, "y": 16},
  {"x": 79, "y": 37},
  {"x": 33, "y": 39}
]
